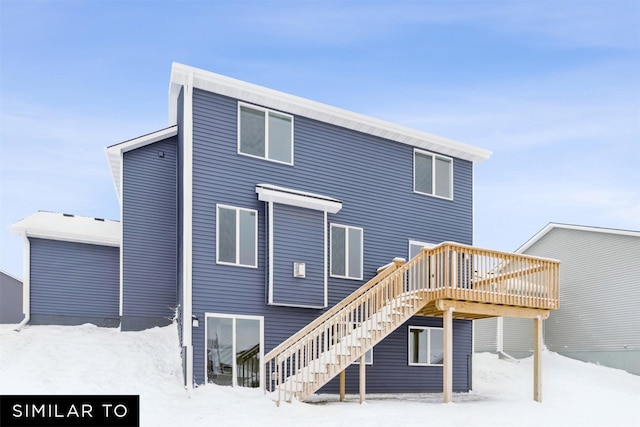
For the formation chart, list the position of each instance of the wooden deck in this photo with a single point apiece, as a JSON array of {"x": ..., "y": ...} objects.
[{"x": 448, "y": 281}]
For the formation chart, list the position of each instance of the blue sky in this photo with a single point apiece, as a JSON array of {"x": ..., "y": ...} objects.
[{"x": 552, "y": 88}]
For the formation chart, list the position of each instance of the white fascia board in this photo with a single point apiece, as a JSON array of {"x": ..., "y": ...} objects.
[
  {"x": 281, "y": 101},
  {"x": 114, "y": 152},
  {"x": 552, "y": 225},
  {"x": 302, "y": 199},
  {"x": 57, "y": 226}
]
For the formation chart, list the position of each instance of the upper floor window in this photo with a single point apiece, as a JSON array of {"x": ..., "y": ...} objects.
[
  {"x": 432, "y": 174},
  {"x": 265, "y": 133},
  {"x": 236, "y": 237},
  {"x": 346, "y": 251}
]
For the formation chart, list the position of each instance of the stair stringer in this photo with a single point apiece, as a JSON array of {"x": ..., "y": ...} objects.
[{"x": 321, "y": 350}]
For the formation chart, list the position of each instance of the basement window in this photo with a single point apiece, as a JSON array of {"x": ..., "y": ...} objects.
[{"x": 426, "y": 346}]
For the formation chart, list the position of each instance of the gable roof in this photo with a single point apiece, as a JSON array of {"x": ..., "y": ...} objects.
[
  {"x": 70, "y": 228},
  {"x": 248, "y": 92},
  {"x": 554, "y": 225}
]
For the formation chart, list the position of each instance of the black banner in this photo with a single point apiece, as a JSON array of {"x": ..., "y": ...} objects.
[{"x": 85, "y": 411}]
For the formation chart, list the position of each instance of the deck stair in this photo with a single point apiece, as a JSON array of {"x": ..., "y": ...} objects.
[{"x": 449, "y": 272}]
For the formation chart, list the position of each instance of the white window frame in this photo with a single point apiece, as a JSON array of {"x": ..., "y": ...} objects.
[
  {"x": 433, "y": 173},
  {"x": 409, "y": 349},
  {"x": 418, "y": 243},
  {"x": 234, "y": 368},
  {"x": 238, "y": 210},
  {"x": 366, "y": 362},
  {"x": 267, "y": 111},
  {"x": 346, "y": 254}
]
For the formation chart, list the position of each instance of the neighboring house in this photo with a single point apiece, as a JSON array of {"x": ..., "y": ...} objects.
[
  {"x": 256, "y": 213},
  {"x": 600, "y": 298},
  {"x": 10, "y": 298}
]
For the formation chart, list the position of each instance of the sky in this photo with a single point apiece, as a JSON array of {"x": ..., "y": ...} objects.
[{"x": 552, "y": 88}]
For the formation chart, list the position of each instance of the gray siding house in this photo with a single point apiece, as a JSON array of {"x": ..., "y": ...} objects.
[
  {"x": 600, "y": 299},
  {"x": 256, "y": 213},
  {"x": 10, "y": 298}
]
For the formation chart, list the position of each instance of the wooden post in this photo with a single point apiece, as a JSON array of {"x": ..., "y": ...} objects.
[
  {"x": 363, "y": 378},
  {"x": 537, "y": 359},
  {"x": 447, "y": 366},
  {"x": 343, "y": 377}
]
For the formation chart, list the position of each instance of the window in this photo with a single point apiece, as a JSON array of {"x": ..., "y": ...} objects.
[
  {"x": 236, "y": 237},
  {"x": 432, "y": 174},
  {"x": 234, "y": 350},
  {"x": 425, "y": 346},
  {"x": 264, "y": 133},
  {"x": 368, "y": 358},
  {"x": 346, "y": 252},
  {"x": 415, "y": 247}
]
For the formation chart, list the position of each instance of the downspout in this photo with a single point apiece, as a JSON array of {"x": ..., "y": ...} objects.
[
  {"x": 26, "y": 289},
  {"x": 500, "y": 343}
]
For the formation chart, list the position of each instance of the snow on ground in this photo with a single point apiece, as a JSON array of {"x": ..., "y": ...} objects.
[{"x": 90, "y": 360}]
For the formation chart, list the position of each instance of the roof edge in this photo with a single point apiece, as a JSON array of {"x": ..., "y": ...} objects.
[
  {"x": 553, "y": 225},
  {"x": 249, "y": 92}
]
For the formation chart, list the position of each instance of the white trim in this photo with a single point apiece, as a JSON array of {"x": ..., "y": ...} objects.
[
  {"x": 187, "y": 230},
  {"x": 280, "y": 101},
  {"x": 433, "y": 156},
  {"x": 424, "y": 328},
  {"x": 26, "y": 282},
  {"x": 302, "y": 199},
  {"x": 553, "y": 225},
  {"x": 267, "y": 112},
  {"x": 279, "y": 304},
  {"x": 255, "y": 224},
  {"x": 326, "y": 262},
  {"x": 234, "y": 318},
  {"x": 418, "y": 243},
  {"x": 270, "y": 243},
  {"x": 357, "y": 361},
  {"x": 114, "y": 153},
  {"x": 69, "y": 228},
  {"x": 346, "y": 252}
]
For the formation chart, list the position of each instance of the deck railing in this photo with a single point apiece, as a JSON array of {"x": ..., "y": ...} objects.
[{"x": 322, "y": 349}]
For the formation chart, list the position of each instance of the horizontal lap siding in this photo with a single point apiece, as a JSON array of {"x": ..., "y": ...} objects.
[
  {"x": 373, "y": 177},
  {"x": 150, "y": 230},
  {"x": 391, "y": 372},
  {"x": 297, "y": 233},
  {"x": 74, "y": 279},
  {"x": 599, "y": 291}
]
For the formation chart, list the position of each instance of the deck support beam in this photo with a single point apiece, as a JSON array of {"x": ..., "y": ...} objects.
[
  {"x": 447, "y": 366},
  {"x": 363, "y": 378},
  {"x": 537, "y": 359},
  {"x": 343, "y": 382}
]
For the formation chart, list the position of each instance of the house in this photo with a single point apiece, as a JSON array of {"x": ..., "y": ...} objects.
[
  {"x": 10, "y": 298},
  {"x": 599, "y": 317},
  {"x": 272, "y": 228}
]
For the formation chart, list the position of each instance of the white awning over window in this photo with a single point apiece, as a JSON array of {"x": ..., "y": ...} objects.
[{"x": 302, "y": 199}]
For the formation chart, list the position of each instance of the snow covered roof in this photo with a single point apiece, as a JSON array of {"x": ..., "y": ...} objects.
[
  {"x": 59, "y": 226},
  {"x": 114, "y": 152},
  {"x": 554, "y": 225},
  {"x": 216, "y": 83}
]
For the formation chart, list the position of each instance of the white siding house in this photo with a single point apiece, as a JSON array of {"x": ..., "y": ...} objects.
[{"x": 599, "y": 316}]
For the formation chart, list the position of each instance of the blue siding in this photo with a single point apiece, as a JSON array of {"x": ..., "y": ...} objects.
[
  {"x": 372, "y": 176},
  {"x": 73, "y": 280},
  {"x": 298, "y": 237},
  {"x": 149, "y": 220},
  {"x": 390, "y": 360}
]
